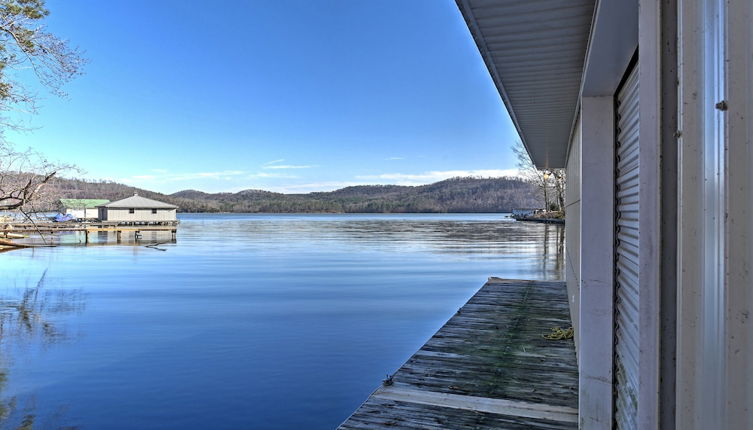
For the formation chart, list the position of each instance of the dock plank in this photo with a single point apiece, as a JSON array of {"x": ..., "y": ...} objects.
[{"x": 488, "y": 367}]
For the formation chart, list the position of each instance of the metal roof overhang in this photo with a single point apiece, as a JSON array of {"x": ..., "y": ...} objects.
[{"x": 535, "y": 52}]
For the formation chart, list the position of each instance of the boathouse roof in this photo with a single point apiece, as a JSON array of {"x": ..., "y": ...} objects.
[
  {"x": 535, "y": 52},
  {"x": 83, "y": 203},
  {"x": 138, "y": 202}
]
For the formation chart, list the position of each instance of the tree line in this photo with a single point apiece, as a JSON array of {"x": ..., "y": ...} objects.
[{"x": 451, "y": 195}]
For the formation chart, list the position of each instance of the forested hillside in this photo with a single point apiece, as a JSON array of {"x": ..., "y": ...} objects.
[{"x": 451, "y": 195}]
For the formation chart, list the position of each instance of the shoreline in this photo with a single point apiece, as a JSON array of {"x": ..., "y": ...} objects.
[{"x": 541, "y": 220}]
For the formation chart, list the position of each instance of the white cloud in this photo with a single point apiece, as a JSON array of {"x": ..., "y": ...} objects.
[
  {"x": 394, "y": 179},
  {"x": 438, "y": 175},
  {"x": 176, "y": 177},
  {"x": 238, "y": 176},
  {"x": 275, "y": 164},
  {"x": 288, "y": 166},
  {"x": 203, "y": 175},
  {"x": 317, "y": 186},
  {"x": 271, "y": 175},
  {"x": 394, "y": 158}
]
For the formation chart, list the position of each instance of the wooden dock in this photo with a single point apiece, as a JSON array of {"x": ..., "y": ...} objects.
[
  {"x": 489, "y": 367},
  {"x": 540, "y": 220},
  {"x": 89, "y": 227}
]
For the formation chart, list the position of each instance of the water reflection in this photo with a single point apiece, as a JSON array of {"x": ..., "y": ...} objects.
[
  {"x": 470, "y": 236},
  {"x": 31, "y": 312},
  {"x": 97, "y": 238},
  {"x": 443, "y": 234},
  {"x": 279, "y": 321},
  {"x": 29, "y": 318}
]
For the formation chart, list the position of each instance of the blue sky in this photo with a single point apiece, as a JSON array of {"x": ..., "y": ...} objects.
[{"x": 283, "y": 95}]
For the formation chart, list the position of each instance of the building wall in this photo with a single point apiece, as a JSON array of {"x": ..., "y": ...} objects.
[
  {"x": 77, "y": 213},
  {"x": 715, "y": 298},
  {"x": 139, "y": 215},
  {"x": 595, "y": 322},
  {"x": 87, "y": 213},
  {"x": 572, "y": 228}
]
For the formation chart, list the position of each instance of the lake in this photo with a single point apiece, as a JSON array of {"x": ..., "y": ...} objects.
[{"x": 248, "y": 321}]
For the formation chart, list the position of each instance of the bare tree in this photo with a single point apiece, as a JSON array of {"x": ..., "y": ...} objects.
[
  {"x": 24, "y": 176},
  {"x": 544, "y": 179},
  {"x": 558, "y": 182},
  {"x": 28, "y": 52}
]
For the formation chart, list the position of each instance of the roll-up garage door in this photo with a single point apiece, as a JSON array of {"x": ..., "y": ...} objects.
[{"x": 627, "y": 206}]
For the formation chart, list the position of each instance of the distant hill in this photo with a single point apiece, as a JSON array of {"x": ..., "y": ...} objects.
[{"x": 451, "y": 195}]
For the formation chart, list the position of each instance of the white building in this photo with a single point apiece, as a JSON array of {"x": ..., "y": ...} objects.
[
  {"x": 82, "y": 208},
  {"x": 649, "y": 106},
  {"x": 138, "y": 210}
]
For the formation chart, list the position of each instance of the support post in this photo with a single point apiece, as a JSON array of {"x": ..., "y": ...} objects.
[{"x": 596, "y": 328}]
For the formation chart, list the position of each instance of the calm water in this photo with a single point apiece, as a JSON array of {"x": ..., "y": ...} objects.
[{"x": 248, "y": 321}]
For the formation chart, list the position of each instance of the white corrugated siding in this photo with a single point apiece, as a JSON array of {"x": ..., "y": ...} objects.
[
  {"x": 139, "y": 215},
  {"x": 535, "y": 52},
  {"x": 627, "y": 207}
]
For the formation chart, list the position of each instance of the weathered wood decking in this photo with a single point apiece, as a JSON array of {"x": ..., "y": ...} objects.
[{"x": 489, "y": 367}]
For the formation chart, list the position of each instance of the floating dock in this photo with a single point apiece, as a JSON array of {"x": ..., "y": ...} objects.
[
  {"x": 541, "y": 220},
  {"x": 489, "y": 367}
]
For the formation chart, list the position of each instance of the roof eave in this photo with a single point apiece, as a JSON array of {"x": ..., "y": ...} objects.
[
  {"x": 535, "y": 54},
  {"x": 470, "y": 20}
]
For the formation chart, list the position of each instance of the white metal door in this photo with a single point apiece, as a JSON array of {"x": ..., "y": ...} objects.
[{"x": 627, "y": 206}]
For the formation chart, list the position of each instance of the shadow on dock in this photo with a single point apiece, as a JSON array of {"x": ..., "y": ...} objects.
[{"x": 489, "y": 367}]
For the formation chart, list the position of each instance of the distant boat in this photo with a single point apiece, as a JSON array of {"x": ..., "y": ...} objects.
[{"x": 63, "y": 218}]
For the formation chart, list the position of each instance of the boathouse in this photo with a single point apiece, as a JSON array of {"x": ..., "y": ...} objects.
[
  {"x": 138, "y": 210},
  {"x": 82, "y": 209},
  {"x": 648, "y": 104}
]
